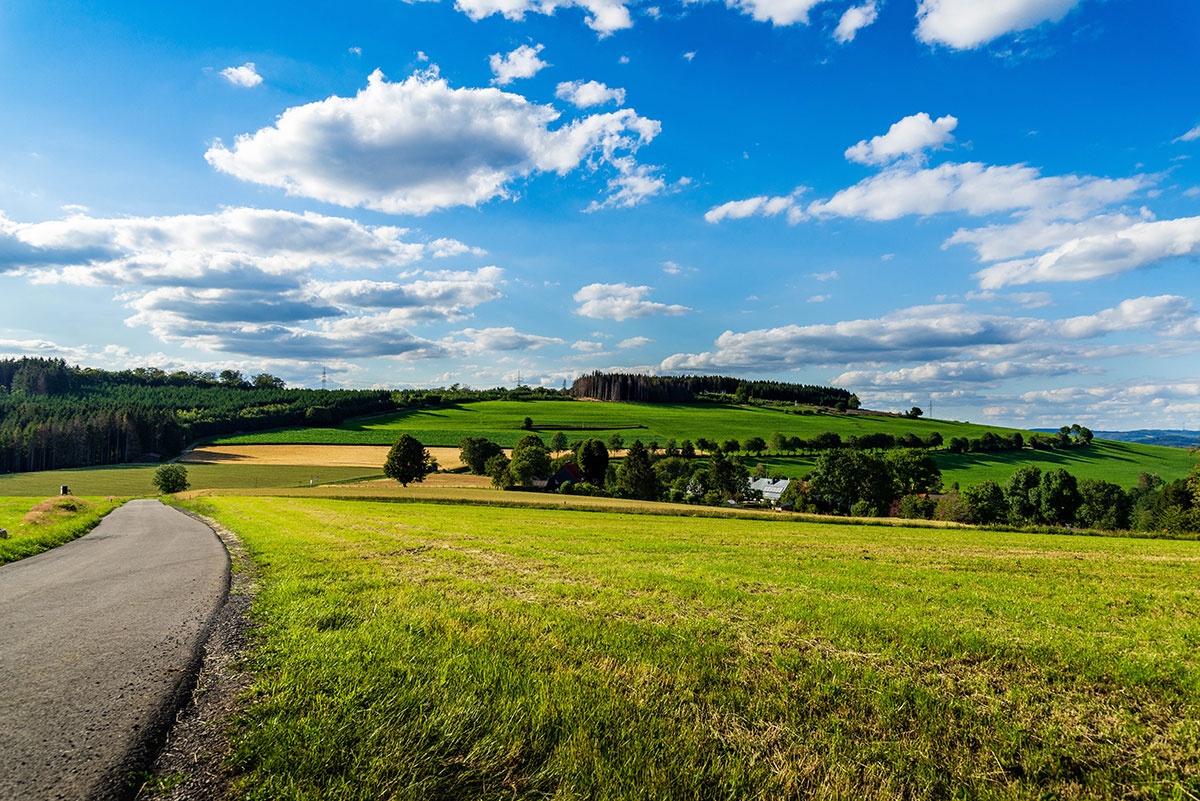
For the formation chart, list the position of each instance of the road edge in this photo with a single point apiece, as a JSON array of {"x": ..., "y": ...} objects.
[{"x": 191, "y": 760}]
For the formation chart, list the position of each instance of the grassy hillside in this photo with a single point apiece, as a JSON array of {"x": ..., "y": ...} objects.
[
  {"x": 501, "y": 422},
  {"x": 137, "y": 480},
  {"x": 412, "y": 651}
]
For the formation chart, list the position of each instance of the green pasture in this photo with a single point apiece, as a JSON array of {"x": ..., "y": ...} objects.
[
  {"x": 412, "y": 651},
  {"x": 501, "y": 422},
  {"x": 26, "y": 539},
  {"x": 1118, "y": 462},
  {"x": 137, "y": 480}
]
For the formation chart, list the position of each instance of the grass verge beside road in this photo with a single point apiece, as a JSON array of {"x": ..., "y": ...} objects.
[
  {"x": 36, "y": 527},
  {"x": 439, "y": 652}
]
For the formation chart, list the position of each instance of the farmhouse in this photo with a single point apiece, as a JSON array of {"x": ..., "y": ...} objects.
[
  {"x": 770, "y": 488},
  {"x": 569, "y": 473}
]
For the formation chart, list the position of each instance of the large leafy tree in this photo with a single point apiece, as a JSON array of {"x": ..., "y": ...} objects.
[
  {"x": 985, "y": 503},
  {"x": 475, "y": 453},
  {"x": 408, "y": 461},
  {"x": 1058, "y": 498},
  {"x": 171, "y": 478},
  {"x": 530, "y": 458},
  {"x": 914, "y": 471},
  {"x": 848, "y": 477},
  {"x": 1021, "y": 494},
  {"x": 1103, "y": 505}
]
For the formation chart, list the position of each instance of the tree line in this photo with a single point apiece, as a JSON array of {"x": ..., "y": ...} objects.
[
  {"x": 55, "y": 416},
  {"x": 689, "y": 389}
]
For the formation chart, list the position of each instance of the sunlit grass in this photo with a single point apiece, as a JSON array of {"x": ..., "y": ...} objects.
[
  {"x": 417, "y": 651},
  {"x": 65, "y": 519}
]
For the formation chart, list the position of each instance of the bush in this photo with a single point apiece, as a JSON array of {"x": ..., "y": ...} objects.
[{"x": 171, "y": 478}]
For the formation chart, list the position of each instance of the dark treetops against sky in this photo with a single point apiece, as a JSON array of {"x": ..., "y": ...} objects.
[{"x": 993, "y": 207}]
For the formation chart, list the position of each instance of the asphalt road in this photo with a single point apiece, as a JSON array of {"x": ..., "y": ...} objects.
[{"x": 99, "y": 643}]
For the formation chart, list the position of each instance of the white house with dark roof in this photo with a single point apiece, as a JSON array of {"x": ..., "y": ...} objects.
[{"x": 771, "y": 488}]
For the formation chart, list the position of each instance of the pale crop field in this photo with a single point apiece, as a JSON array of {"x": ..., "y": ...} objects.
[
  {"x": 417, "y": 651},
  {"x": 367, "y": 456}
]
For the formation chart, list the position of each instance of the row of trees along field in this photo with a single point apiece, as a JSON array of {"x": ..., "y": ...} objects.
[
  {"x": 903, "y": 482},
  {"x": 689, "y": 389},
  {"x": 54, "y": 416}
]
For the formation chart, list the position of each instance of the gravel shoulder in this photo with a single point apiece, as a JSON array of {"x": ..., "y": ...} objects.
[{"x": 195, "y": 761}]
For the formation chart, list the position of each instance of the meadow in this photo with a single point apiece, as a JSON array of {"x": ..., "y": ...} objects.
[
  {"x": 36, "y": 526},
  {"x": 501, "y": 422},
  {"x": 416, "y": 651}
]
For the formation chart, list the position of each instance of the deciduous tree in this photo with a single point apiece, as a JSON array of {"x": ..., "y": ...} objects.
[{"x": 408, "y": 461}]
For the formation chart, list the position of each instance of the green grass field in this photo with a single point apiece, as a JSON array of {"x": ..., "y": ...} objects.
[
  {"x": 413, "y": 651},
  {"x": 137, "y": 480},
  {"x": 501, "y": 422},
  {"x": 26, "y": 539}
]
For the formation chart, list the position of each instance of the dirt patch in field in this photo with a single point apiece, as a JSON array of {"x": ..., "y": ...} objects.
[
  {"x": 56, "y": 508},
  {"x": 309, "y": 455}
]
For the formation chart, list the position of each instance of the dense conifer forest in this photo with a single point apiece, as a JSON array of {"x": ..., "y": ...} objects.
[
  {"x": 689, "y": 389},
  {"x": 55, "y": 416}
]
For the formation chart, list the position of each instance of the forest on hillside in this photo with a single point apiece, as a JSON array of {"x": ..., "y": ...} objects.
[
  {"x": 693, "y": 388},
  {"x": 54, "y": 416}
]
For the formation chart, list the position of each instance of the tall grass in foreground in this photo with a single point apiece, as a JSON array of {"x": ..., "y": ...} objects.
[
  {"x": 36, "y": 527},
  {"x": 433, "y": 652}
]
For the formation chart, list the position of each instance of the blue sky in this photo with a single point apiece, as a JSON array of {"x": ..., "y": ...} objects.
[{"x": 990, "y": 207}]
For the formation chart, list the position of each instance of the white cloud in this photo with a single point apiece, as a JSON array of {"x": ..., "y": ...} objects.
[
  {"x": 620, "y": 302},
  {"x": 1032, "y": 234},
  {"x": 777, "y": 12},
  {"x": 602, "y": 16},
  {"x": 689, "y": 56},
  {"x": 634, "y": 342},
  {"x": 520, "y": 63},
  {"x": 419, "y": 145},
  {"x": 584, "y": 346},
  {"x": 976, "y": 189},
  {"x": 819, "y": 298},
  {"x": 245, "y": 75},
  {"x": 956, "y": 373},
  {"x": 488, "y": 340},
  {"x": 909, "y": 137},
  {"x": 236, "y": 244},
  {"x": 831, "y": 275},
  {"x": 967, "y": 24},
  {"x": 591, "y": 93},
  {"x": 1140, "y": 245},
  {"x": 434, "y": 295},
  {"x": 946, "y": 332},
  {"x": 633, "y": 184},
  {"x": 1190, "y": 136},
  {"x": 854, "y": 20},
  {"x": 761, "y": 206}
]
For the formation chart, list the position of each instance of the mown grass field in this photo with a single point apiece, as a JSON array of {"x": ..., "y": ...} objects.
[
  {"x": 138, "y": 480},
  {"x": 501, "y": 422},
  {"x": 414, "y": 651},
  {"x": 53, "y": 522}
]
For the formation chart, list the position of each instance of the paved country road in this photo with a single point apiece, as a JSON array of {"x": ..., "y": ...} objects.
[{"x": 99, "y": 641}]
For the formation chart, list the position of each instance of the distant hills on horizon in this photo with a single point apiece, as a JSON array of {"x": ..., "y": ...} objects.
[{"x": 1171, "y": 437}]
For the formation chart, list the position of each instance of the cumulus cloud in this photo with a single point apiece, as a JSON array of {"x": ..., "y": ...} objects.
[
  {"x": 1139, "y": 245},
  {"x": 586, "y": 94},
  {"x": 634, "y": 342},
  {"x": 976, "y": 189},
  {"x": 1033, "y": 234},
  {"x": 947, "y": 332},
  {"x": 957, "y": 373},
  {"x": 445, "y": 295},
  {"x": 853, "y": 20},
  {"x": 761, "y": 206},
  {"x": 777, "y": 12},
  {"x": 621, "y": 302},
  {"x": 967, "y": 24},
  {"x": 909, "y": 137},
  {"x": 245, "y": 75},
  {"x": 520, "y": 63},
  {"x": 603, "y": 16},
  {"x": 419, "y": 145},
  {"x": 474, "y": 341},
  {"x": 198, "y": 249}
]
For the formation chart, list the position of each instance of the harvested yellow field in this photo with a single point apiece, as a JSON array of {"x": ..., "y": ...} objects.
[{"x": 369, "y": 456}]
